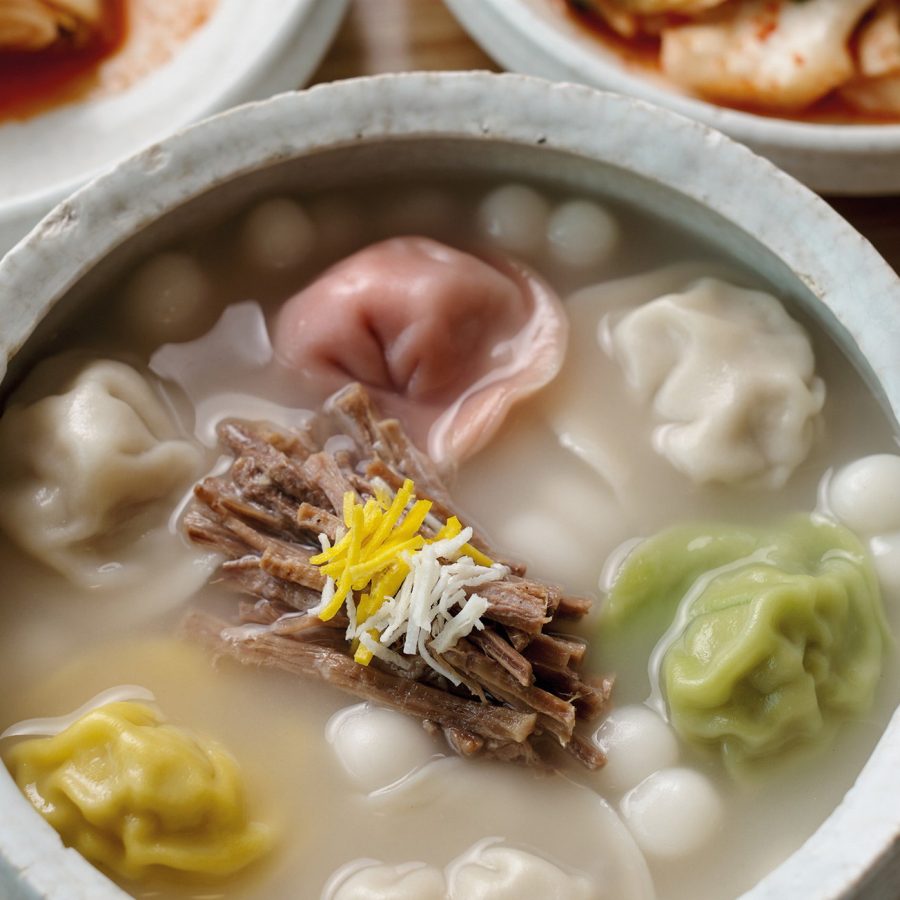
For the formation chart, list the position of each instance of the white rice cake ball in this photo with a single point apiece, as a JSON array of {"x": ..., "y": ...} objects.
[
  {"x": 865, "y": 495},
  {"x": 514, "y": 218},
  {"x": 377, "y": 747},
  {"x": 277, "y": 235},
  {"x": 673, "y": 813},
  {"x": 376, "y": 881},
  {"x": 168, "y": 300},
  {"x": 582, "y": 234},
  {"x": 637, "y": 743},
  {"x": 490, "y": 871}
]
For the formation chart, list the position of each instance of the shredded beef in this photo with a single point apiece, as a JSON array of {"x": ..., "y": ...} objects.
[{"x": 521, "y": 689}]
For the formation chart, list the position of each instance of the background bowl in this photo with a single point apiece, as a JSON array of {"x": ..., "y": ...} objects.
[
  {"x": 536, "y": 37},
  {"x": 502, "y": 125},
  {"x": 246, "y": 51}
]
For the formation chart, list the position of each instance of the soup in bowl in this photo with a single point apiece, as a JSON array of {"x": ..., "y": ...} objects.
[{"x": 408, "y": 490}]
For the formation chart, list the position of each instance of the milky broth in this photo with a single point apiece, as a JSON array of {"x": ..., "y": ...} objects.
[{"x": 570, "y": 478}]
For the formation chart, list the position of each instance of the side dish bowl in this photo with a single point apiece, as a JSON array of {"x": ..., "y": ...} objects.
[
  {"x": 536, "y": 37},
  {"x": 477, "y": 124},
  {"x": 242, "y": 53}
]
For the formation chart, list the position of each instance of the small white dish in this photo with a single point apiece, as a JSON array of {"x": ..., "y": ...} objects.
[
  {"x": 246, "y": 51},
  {"x": 536, "y": 37}
]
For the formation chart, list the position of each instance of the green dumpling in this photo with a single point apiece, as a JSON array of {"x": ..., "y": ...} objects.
[{"x": 774, "y": 635}]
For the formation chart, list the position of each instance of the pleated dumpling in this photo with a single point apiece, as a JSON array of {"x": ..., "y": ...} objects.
[
  {"x": 88, "y": 455},
  {"x": 775, "y": 635},
  {"x": 370, "y": 880},
  {"x": 443, "y": 340},
  {"x": 731, "y": 379},
  {"x": 492, "y": 871},
  {"x": 136, "y": 794}
]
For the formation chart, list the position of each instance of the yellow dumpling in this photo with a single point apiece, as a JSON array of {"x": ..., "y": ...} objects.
[{"x": 129, "y": 791}]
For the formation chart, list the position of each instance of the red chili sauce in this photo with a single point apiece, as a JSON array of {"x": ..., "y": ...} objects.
[{"x": 33, "y": 81}]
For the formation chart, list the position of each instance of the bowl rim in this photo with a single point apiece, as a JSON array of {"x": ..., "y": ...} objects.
[
  {"x": 526, "y": 37},
  {"x": 836, "y": 264}
]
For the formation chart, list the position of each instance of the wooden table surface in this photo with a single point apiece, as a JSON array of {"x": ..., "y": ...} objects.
[{"x": 405, "y": 35}]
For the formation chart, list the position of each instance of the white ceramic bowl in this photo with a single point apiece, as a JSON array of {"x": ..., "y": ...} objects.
[
  {"x": 246, "y": 51},
  {"x": 537, "y": 38},
  {"x": 488, "y": 124}
]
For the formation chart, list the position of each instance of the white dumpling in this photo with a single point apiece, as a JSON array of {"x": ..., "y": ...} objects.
[
  {"x": 776, "y": 53},
  {"x": 377, "y": 881},
  {"x": 731, "y": 379},
  {"x": 673, "y": 813},
  {"x": 491, "y": 871},
  {"x": 637, "y": 743},
  {"x": 88, "y": 455},
  {"x": 377, "y": 747},
  {"x": 587, "y": 836}
]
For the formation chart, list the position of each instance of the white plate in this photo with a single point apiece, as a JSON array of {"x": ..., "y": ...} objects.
[
  {"x": 537, "y": 38},
  {"x": 249, "y": 49}
]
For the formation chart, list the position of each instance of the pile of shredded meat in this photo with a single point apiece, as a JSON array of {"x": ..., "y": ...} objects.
[
  {"x": 780, "y": 55},
  {"x": 521, "y": 693}
]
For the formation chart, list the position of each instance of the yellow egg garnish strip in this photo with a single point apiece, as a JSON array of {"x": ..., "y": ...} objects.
[
  {"x": 374, "y": 541},
  {"x": 370, "y": 558}
]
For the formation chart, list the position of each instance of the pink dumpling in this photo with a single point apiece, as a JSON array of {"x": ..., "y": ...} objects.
[{"x": 445, "y": 341}]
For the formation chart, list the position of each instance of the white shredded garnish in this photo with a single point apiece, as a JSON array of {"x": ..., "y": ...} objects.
[
  {"x": 351, "y": 614},
  {"x": 431, "y": 605},
  {"x": 462, "y": 624},
  {"x": 378, "y": 649},
  {"x": 330, "y": 585},
  {"x": 327, "y": 597},
  {"x": 448, "y": 673}
]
